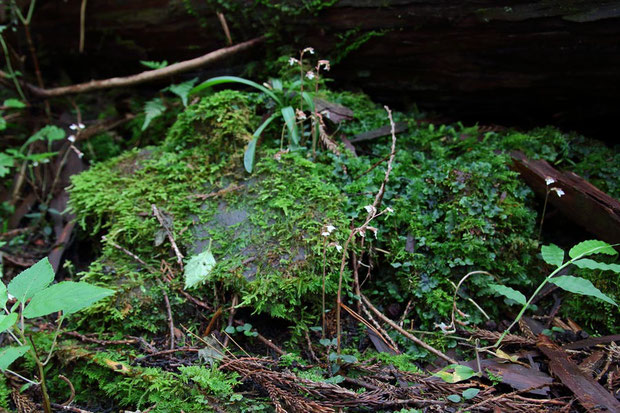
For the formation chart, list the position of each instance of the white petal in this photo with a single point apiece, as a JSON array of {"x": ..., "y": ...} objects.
[
  {"x": 549, "y": 180},
  {"x": 330, "y": 228},
  {"x": 71, "y": 138},
  {"x": 73, "y": 126}
]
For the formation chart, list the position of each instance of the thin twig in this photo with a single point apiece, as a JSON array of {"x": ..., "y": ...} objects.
[
  {"x": 222, "y": 20},
  {"x": 406, "y": 333},
  {"x": 166, "y": 228},
  {"x": 146, "y": 76},
  {"x": 82, "y": 25},
  {"x": 170, "y": 320},
  {"x": 72, "y": 396}
]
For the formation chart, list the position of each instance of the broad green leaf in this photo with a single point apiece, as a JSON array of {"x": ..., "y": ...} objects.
[
  {"x": 9, "y": 354},
  {"x": 4, "y": 295},
  {"x": 182, "y": 89},
  {"x": 591, "y": 247},
  {"x": 67, "y": 296},
  {"x": 32, "y": 280},
  {"x": 581, "y": 286},
  {"x": 152, "y": 109},
  {"x": 552, "y": 254},
  {"x": 48, "y": 133},
  {"x": 198, "y": 269},
  {"x": 2, "y": 122},
  {"x": 250, "y": 152},
  {"x": 39, "y": 157},
  {"x": 7, "y": 321},
  {"x": 14, "y": 103},
  {"x": 459, "y": 373},
  {"x": 276, "y": 84},
  {"x": 509, "y": 292},
  {"x": 6, "y": 163},
  {"x": 234, "y": 79},
  {"x": 595, "y": 265},
  {"x": 288, "y": 113},
  {"x": 470, "y": 393},
  {"x": 154, "y": 65}
]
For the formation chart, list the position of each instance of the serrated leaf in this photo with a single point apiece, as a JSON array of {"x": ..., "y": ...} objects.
[
  {"x": 288, "y": 113},
  {"x": 470, "y": 393},
  {"x": 581, "y": 286},
  {"x": 590, "y": 247},
  {"x": 595, "y": 265},
  {"x": 14, "y": 103},
  {"x": 7, "y": 321},
  {"x": 67, "y": 296},
  {"x": 182, "y": 89},
  {"x": 509, "y": 293},
  {"x": 9, "y": 354},
  {"x": 552, "y": 254},
  {"x": 32, "y": 280},
  {"x": 152, "y": 109},
  {"x": 153, "y": 64},
  {"x": 198, "y": 268}
]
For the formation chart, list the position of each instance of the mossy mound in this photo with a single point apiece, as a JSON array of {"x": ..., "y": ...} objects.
[{"x": 264, "y": 230}]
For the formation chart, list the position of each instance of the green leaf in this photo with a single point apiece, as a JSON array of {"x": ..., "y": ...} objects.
[
  {"x": 325, "y": 342},
  {"x": 32, "y": 280},
  {"x": 595, "y": 265},
  {"x": 9, "y": 354},
  {"x": 552, "y": 254},
  {"x": 198, "y": 269},
  {"x": 182, "y": 89},
  {"x": 14, "y": 103},
  {"x": 591, "y": 247},
  {"x": 509, "y": 292},
  {"x": 49, "y": 133},
  {"x": 7, "y": 321},
  {"x": 67, "y": 296},
  {"x": 4, "y": 295},
  {"x": 153, "y": 64},
  {"x": 288, "y": 113},
  {"x": 233, "y": 79},
  {"x": 454, "y": 398},
  {"x": 250, "y": 151},
  {"x": 276, "y": 84},
  {"x": 470, "y": 393},
  {"x": 2, "y": 122},
  {"x": 459, "y": 373},
  {"x": 6, "y": 163},
  {"x": 230, "y": 330},
  {"x": 581, "y": 286},
  {"x": 152, "y": 109}
]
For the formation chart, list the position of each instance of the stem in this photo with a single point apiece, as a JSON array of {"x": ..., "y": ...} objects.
[
  {"x": 527, "y": 304},
  {"x": 49, "y": 355},
  {"x": 542, "y": 217},
  {"x": 22, "y": 377},
  {"x": 47, "y": 407},
  {"x": 323, "y": 293},
  {"x": 9, "y": 66}
]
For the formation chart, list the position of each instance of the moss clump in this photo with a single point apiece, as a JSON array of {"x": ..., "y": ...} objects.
[{"x": 264, "y": 230}]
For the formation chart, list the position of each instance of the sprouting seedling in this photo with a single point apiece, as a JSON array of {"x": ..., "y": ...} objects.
[
  {"x": 34, "y": 297},
  {"x": 553, "y": 255}
]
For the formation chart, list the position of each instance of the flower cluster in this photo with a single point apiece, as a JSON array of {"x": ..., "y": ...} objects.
[{"x": 559, "y": 192}]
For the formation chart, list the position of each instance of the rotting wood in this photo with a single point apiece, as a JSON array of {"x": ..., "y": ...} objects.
[
  {"x": 582, "y": 202},
  {"x": 591, "y": 394}
]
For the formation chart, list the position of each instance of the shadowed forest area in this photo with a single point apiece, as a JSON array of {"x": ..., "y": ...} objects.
[{"x": 310, "y": 206}]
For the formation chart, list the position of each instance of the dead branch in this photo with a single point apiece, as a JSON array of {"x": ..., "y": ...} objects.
[{"x": 146, "y": 76}]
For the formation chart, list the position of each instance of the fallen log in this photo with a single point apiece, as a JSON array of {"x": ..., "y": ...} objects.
[{"x": 581, "y": 201}]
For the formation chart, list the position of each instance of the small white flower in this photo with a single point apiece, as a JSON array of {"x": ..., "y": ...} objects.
[
  {"x": 325, "y": 233},
  {"x": 374, "y": 231},
  {"x": 549, "y": 180},
  {"x": 559, "y": 192},
  {"x": 338, "y": 247},
  {"x": 330, "y": 228},
  {"x": 370, "y": 209},
  {"x": 363, "y": 233},
  {"x": 47, "y": 160},
  {"x": 71, "y": 138},
  {"x": 310, "y": 74},
  {"x": 389, "y": 210},
  {"x": 81, "y": 125},
  {"x": 35, "y": 164},
  {"x": 309, "y": 50},
  {"x": 80, "y": 155},
  {"x": 325, "y": 64},
  {"x": 73, "y": 126},
  {"x": 292, "y": 61}
]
